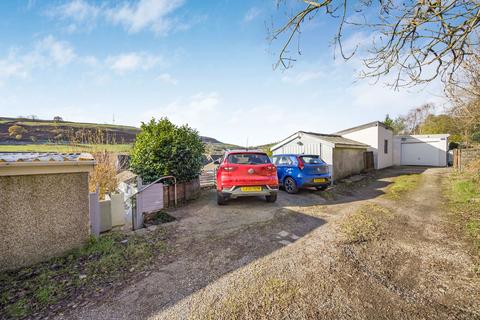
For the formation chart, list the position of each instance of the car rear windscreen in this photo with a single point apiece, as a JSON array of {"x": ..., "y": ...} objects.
[
  {"x": 248, "y": 158},
  {"x": 311, "y": 159}
]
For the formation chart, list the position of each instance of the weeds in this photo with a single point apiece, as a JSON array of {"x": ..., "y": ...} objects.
[
  {"x": 365, "y": 224},
  {"x": 402, "y": 185},
  {"x": 463, "y": 193},
  {"x": 267, "y": 298},
  {"x": 101, "y": 260}
]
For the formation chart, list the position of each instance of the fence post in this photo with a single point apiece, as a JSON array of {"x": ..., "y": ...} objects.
[
  {"x": 94, "y": 209},
  {"x": 139, "y": 206}
]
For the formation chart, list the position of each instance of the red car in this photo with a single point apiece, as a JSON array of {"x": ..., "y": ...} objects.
[{"x": 246, "y": 173}]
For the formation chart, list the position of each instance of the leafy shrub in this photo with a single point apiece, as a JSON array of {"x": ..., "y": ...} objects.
[{"x": 162, "y": 148}]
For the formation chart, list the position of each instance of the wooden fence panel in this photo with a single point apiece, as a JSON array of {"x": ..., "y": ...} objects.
[
  {"x": 185, "y": 191},
  {"x": 462, "y": 157}
]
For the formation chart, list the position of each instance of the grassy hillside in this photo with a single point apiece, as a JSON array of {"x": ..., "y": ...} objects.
[
  {"x": 23, "y": 131},
  {"x": 27, "y": 135}
]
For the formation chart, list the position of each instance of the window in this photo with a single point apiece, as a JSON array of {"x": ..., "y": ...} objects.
[
  {"x": 248, "y": 158},
  {"x": 282, "y": 161},
  {"x": 311, "y": 159},
  {"x": 385, "y": 146}
]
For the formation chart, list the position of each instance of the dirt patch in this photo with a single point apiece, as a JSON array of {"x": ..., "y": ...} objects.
[{"x": 292, "y": 260}]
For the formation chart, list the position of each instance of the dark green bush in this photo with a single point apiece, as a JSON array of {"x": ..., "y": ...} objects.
[{"x": 162, "y": 148}]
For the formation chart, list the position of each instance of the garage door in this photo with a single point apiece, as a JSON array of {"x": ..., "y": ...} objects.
[{"x": 422, "y": 153}]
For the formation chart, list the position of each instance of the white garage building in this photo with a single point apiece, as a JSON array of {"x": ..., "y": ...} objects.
[
  {"x": 344, "y": 151},
  {"x": 378, "y": 136},
  {"x": 343, "y": 156},
  {"x": 421, "y": 150},
  {"x": 407, "y": 150}
]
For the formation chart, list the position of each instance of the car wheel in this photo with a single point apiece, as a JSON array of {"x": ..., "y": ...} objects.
[
  {"x": 272, "y": 197},
  {"x": 322, "y": 188},
  {"x": 221, "y": 200},
  {"x": 290, "y": 185}
]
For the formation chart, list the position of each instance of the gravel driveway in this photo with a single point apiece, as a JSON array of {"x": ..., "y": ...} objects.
[{"x": 418, "y": 272}]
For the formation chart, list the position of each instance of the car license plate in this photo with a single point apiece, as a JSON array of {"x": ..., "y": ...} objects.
[
  {"x": 319, "y": 180},
  {"x": 251, "y": 189}
]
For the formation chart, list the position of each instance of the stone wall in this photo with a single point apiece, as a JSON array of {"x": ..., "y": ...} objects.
[{"x": 42, "y": 216}]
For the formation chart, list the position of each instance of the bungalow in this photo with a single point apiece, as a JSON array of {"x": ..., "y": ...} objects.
[
  {"x": 379, "y": 138},
  {"x": 344, "y": 156}
]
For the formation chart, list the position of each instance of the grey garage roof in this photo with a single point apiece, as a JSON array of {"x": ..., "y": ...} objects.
[
  {"x": 334, "y": 139},
  {"x": 364, "y": 126}
]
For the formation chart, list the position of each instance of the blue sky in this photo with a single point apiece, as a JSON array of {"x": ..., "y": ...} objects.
[{"x": 205, "y": 63}]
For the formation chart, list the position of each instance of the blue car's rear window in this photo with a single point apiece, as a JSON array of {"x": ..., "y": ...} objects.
[{"x": 311, "y": 160}]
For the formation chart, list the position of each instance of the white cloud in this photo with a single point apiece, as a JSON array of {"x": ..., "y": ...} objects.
[
  {"x": 13, "y": 67},
  {"x": 91, "y": 61},
  {"x": 150, "y": 14},
  {"x": 77, "y": 10},
  {"x": 46, "y": 52},
  {"x": 80, "y": 15},
  {"x": 197, "y": 109},
  {"x": 59, "y": 52},
  {"x": 302, "y": 77},
  {"x": 167, "y": 78},
  {"x": 133, "y": 61},
  {"x": 134, "y": 16},
  {"x": 251, "y": 14}
]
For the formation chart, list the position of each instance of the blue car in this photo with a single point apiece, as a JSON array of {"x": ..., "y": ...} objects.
[{"x": 298, "y": 171}]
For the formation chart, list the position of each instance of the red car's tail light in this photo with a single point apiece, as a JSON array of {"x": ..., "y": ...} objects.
[
  {"x": 301, "y": 165},
  {"x": 226, "y": 168},
  {"x": 271, "y": 169}
]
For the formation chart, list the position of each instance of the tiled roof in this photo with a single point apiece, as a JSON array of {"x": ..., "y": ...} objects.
[{"x": 12, "y": 157}]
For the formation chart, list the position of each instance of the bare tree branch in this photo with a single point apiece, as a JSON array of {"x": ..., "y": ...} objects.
[{"x": 417, "y": 40}]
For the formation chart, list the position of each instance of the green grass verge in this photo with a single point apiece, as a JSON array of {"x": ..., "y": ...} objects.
[
  {"x": 402, "y": 185},
  {"x": 65, "y": 148},
  {"x": 463, "y": 193},
  {"x": 111, "y": 257}
]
